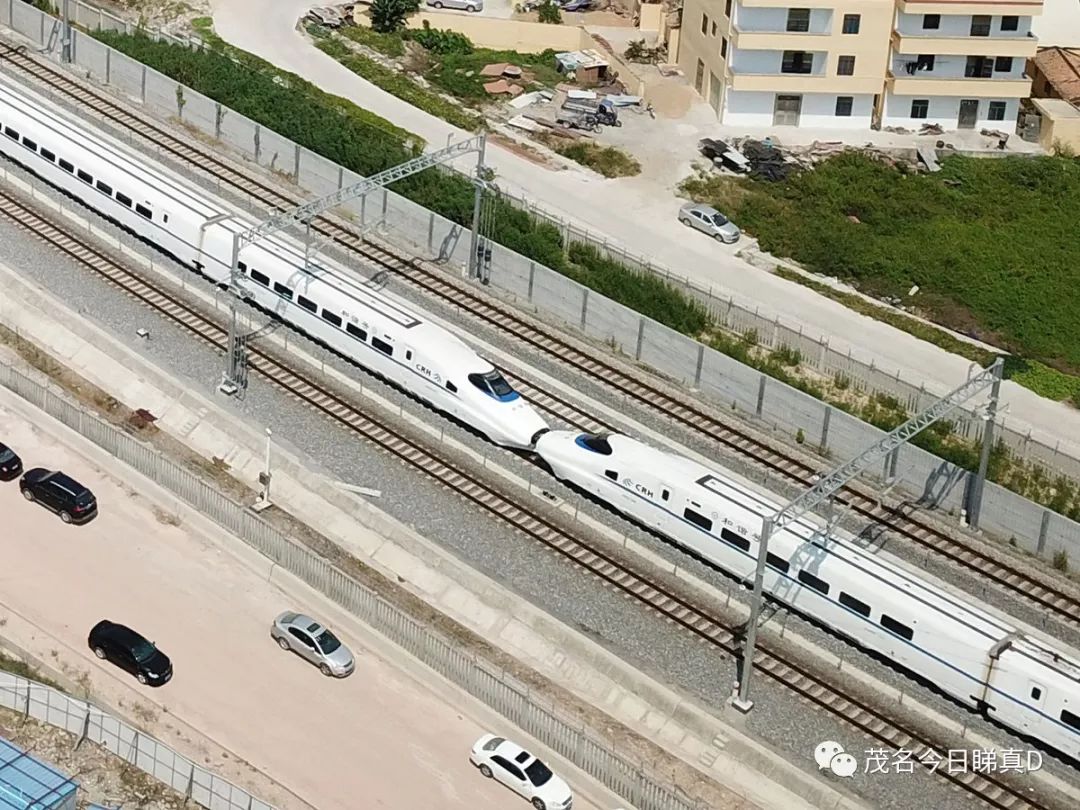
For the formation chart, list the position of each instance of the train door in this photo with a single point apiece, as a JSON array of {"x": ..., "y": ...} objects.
[{"x": 662, "y": 514}]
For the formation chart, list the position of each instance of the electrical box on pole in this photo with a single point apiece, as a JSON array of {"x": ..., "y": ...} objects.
[{"x": 829, "y": 484}]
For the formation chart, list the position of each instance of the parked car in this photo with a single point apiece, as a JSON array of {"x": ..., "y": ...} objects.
[
  {"x": 60, "y": 493},
  {"x": 708, "y": 220},
  {"x": 307, "y": 638},
  {"x": 498, "y": 758},
  {"x": 124, "y": 647},
  {"x": 10, "y": 464},
  {"x": 466, "y": 5}
]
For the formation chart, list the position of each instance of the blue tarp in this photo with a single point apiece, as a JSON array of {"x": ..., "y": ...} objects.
[{"x": 27, "y": 783}]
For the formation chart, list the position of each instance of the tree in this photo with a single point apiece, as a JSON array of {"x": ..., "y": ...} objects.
[
  {"x": 548, "y": 12},
  {"x": 388, "y": 16}
]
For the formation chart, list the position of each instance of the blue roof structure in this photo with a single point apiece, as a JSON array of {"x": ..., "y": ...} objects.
[{"x": 27, "y": 783}]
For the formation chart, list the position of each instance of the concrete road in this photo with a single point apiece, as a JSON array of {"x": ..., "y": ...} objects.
[
  {"x": 640, "y": 213},
  {"x": 380, "y": 738}
]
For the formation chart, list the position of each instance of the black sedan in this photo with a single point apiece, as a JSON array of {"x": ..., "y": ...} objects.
[
  {"x": 128, "y": 650},
  {"x": 10, "y": 464},
  {"x": 60, "y": 493}
]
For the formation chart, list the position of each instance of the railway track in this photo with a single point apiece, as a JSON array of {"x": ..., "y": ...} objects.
[
  {"x": 1036, "y": 590},
  {"x": 577, "y": 548}
]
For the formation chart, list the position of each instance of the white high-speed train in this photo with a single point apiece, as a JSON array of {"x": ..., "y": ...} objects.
[
  {"x": 969, "y": 653},
  {"x": 351, "y": 318}
]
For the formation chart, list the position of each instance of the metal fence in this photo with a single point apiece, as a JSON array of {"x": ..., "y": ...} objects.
[
  {"x": 47, "y": 705},
  {"x": 583, "y": 746}
]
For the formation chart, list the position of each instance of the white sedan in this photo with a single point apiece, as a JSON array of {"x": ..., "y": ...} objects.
[{"x": 520, "y": 771}]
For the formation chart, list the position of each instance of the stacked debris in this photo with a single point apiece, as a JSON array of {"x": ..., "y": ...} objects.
[{"x": 767, "y": 162}]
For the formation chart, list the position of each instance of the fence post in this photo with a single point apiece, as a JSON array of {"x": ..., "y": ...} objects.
[
  {"x": 296, "y": 164},
  {"x": 823, "y": 445},
  {"x": 584, "y": 307},
  {"x": 761, "y": 395},
  {"x": 430, "y": 227},
  {"x": 532, "y": 274},
  {"x": 700, "y": 361},
  {"x": 640, "y": 337},
  {"x": 142, "y": 88},
  {"x": 1043, "y": 528}
]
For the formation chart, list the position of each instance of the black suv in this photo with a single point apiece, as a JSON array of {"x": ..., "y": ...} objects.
[
  {"x": 10, "y": 464},
  {"x": 60, "y": 493},
  {"x": 130, "y": 651}
]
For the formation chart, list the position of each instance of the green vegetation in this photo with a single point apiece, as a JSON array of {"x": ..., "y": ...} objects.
[
  {"x": 991, "y": 244},
  {"x": 549, "y": 12},
  {"x": 459, "y": 73},
  {"x": 440, "y": 41},
  {"x": 609, "y": 161},
  {"x": 399, "y": 84},
  {"x": 391, "y": 45},
  {"x": 388, "y": 16}
]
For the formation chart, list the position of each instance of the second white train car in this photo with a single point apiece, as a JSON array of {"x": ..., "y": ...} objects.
[
  {"x": 180, "y": 219},
  {"x": 969, "y": 653}
]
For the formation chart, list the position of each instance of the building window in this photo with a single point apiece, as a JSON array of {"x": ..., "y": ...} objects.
[
  {"x": 798, "y": 19},
  {"x": 723, "y": 47},
  {"x": 925, "y": 61},
  {"x": 845, "y": 66},
  {"x": 931, "y": 22},
  {"x": 851, "y": 23},
  {"x": 1002, "y": 64},
  {"x": 797, "y": 62},
  {"x": 843, "y": 105},
  {"x": 980, "y": 25},
  {"x": 997, "y": 111},
  {"x": 727, "y": 8},
  {"x": 920, "y": 107},
  {"x": 1010, "y": 23},
  {"x": 704, "y": 24},
  {"x": 978, "y": 67},
  {"x": 713, "y": 30}
]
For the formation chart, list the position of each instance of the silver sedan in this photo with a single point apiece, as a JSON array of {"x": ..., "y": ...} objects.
[
  {"x": 304, "y": 636},
  {"x": 708, "y": 220}
]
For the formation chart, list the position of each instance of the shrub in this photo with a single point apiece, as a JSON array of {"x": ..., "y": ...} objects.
[
  {"x": 609, "y": 161},
  {"x": 386, "y": 44},
  {"x": 1061, "y": 560},
  {"x": 440, "y": 41},
  {"x": 549, "y": 12},
  {"x": 388, "y": 16}
]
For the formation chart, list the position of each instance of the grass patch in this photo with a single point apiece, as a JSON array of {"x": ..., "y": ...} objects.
[
  {"x": 24, "y": 670},
  {"x": 610, "y": 161},
  {"x": 391, "y": 45},
  {"x": 459, "y": 73},
  {"x": 991, "y": 244},
  {"x": 399, "y": 84}
]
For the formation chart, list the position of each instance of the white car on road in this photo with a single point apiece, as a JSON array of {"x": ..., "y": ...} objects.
[{"x": 498, "y": 758}]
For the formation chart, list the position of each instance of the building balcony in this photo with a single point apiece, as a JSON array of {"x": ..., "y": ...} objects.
[
  {"x": 991, "y": 7},
  {"x": 959, "y": 86},
  {"x": 778, "y": 40},
  {"x": 1023, "y": 47},
  {"x": 768, "y": 3},
  {"x": 802, "y": 83}
]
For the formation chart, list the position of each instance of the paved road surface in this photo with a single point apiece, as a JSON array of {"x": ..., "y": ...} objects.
[
  {"x": 379, "y": 739},
  {"x": 640, "y": 215}
]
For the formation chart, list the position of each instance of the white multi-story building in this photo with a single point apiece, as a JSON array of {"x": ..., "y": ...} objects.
[{"x": 857, "y": 64}]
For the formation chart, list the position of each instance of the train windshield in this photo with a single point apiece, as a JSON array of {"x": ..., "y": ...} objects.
[
  {"x": 494, "y": 385},
  {"x": 594, "y": 444}
]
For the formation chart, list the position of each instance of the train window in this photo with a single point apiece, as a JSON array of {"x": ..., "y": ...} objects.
[
  {"x": 50, "y": 156},
  {"x": 331, "y": 317},
  {"x": 665, "y": 495},
  {"x": 1070, "y": 719},
  {"x": 307, "y": 303},
  {"x": 123, "y": 199},
  {"x": 357, "y": 332},
  {"x": 597, "y": 444},
  {"x": 493, "y": 384},
  {"x": 262, "y": 278},
  {"x": 66, "y": 166},
  {"x": 29, "y": 144},
  {"x": 104, "y": 187},
  {"x": 241, "y": 267},
  {"x": 451, "y": 387},
  {"x": 282, "y": 290},
  {"x": 858, "y": 605},
  {"x": 818, "y": 584},
  {"x": 86, "y": 177},
  {"x": 614, "y": 476},
  {"x": 146, "y": 212},
  {"x": 893, "y": 626},
  {"x": 165, "y": 217},
  {"x": 11, "y": 133},
  {"x": 408, "y": 354},
  {"x": 382, "y": 346},
  {"x": 697, "y": 520},
  {"x": 779, "y": 563},
  {"x": 1036, "y": 692},
  {"x": 736, "y": 540}
]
